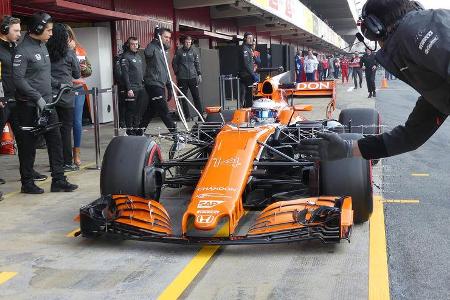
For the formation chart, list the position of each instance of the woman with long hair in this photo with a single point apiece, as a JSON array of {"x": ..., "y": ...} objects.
[
  {"x": 86, "y": 71},
  {"x": 65, "y": 68}
]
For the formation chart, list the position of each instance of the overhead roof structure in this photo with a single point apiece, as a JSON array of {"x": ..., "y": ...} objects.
[
  {"x": 289, "y": 20},
  {"x": 341, "y": 15}
]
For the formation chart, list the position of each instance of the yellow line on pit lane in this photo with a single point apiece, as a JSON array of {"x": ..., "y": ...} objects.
[
  {"x": 73, "y": 232},
  {"x": 192, "y": 269},
  {"x": 404, "y": 201},
  {"x": 378, "y": 265},
  {"x": 420, "y": 174},
  {"x": 5, "y": 276}
]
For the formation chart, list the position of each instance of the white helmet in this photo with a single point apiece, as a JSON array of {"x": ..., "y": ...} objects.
[{"x": 264, "y": 110}]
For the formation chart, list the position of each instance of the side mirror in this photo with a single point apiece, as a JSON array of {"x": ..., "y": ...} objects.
[{"x": 213, "y": 109}]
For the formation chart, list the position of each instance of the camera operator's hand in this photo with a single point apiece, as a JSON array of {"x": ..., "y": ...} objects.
[
  {"x": 2, "y": 105},
  {"x": 130, "y": 94},
  {"x": 329, "y": 146},
  {"x": 40, "y": 104}
]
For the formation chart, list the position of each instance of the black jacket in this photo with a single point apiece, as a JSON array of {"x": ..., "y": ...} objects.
[
  {"x": 63, "y": 71},
  {"x": 186, "y": 63},
  {"x": 418, "y": 53},
  {"x": 246, "y": 61},
  {"x": 132, "y": 68},
  {"x": 368, "y": 61},
  {"x": 32, "y": 71},
  {"x": 156, "y": 71},
  {"x": 6, "y": 57}
]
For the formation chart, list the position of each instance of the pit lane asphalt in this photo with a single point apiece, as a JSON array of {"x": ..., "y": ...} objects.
[
  {"x": 418, "y": 235},
  {"x": 50, "y": 265}
]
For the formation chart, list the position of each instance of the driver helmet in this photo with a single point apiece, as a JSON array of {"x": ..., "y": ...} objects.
[{"x": 264, "y": 110}]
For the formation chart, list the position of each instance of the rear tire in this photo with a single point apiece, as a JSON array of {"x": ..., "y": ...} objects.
[
  {"x": 360, "y": 117},
  {"x": 349, "y": 177},
  {"x": 125, "y": 167}
]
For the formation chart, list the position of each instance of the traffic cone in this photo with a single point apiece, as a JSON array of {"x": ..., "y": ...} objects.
[
  {"x": 384, "y": 84},
  {"x": 7, "y": 141}
]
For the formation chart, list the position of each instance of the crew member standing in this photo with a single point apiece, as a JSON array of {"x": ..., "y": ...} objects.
[
  {"x": 9, "y": 35},
  {"x": 344, "y": 69},
  {"x": 311, "y": 63},
  {"x": 355, "y": 63},
  {"x": 246, "y": 74},
  {"x": 298, "y": 67},
  {"x": 369, "y": 65},
  {"x": 186, "y": 65},
  {"x": 133, "y": 79},
  {"x": 157, "y": 81},
  {"x": 32, "y": 78}
]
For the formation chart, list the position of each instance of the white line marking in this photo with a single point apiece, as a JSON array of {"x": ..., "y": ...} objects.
[{"x": 350, "y": 89}]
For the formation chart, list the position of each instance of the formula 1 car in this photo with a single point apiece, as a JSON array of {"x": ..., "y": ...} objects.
[{"x": 239, "y": 161}]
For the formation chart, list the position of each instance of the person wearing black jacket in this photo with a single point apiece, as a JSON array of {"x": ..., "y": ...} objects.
[
  {"x": 415, "y": 49},
  {"x": 132, "y": 71},
  {"x": 246, "y": 74},
  {"x": 186, "y": 65},
  {"x": 64, "y": 68},
  {"x": 157, "y": 81},
  {"x": 9, "y": 35},
  {"x": 33, "y": 81},
  {"x": 369, "y": 65}
]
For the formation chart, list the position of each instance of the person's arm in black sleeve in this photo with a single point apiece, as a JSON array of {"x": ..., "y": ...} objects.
[
  {"x": 76, "y": 69},
  {"x": 247, "y": 55},
  {"x": 197, "y": 63},
  {"x": 124, "y": 64},
  {"x": 20, "y": 65},
  {"x": 175, "y": 62},
  {"x": 422, "y": 123}
]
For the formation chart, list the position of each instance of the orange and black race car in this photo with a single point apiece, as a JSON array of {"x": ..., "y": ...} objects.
[{"x": 237, "y": 162}]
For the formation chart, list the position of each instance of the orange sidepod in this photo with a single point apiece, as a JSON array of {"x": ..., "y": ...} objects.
[{"x": 224, "y": 178}]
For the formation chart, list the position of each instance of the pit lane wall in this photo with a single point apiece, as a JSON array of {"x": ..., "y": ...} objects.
[{"x": 299, "y": 15}]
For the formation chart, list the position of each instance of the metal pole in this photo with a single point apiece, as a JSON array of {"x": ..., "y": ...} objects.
[
  {"x": 115, "y": 98},
  {"x": 96, "y": 128},
  {"x": 238, "y": 92}
]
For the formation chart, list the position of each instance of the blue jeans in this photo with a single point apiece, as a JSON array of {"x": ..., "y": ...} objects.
[
  {"x": 310, "y": 77},
  {"x": 78, "y": 119}
]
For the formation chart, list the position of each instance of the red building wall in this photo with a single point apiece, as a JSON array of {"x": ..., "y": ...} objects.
[{"x": 5, "y": 7}]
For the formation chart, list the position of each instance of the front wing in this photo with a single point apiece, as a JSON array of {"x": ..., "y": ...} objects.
[{"x": 328, "y": 219}]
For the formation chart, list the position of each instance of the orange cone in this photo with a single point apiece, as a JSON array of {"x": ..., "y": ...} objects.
[
  {"x": 384, "y": 84},
  {"x": 7, "y": 141}
]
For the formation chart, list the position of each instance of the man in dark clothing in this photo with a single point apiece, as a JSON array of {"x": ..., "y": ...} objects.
[
  {"x": 33, "y": 81},
  {"x": 369, "y": 65},
  {"x": 246, "y": 73},
  {"x": 355, "y": 63},
  {"x": 415, "y": 47},
  {"x": 133, "y": 80},
  {"x": 186, "y": 65},
  {"x": 156, "y": 80},
  {"x": 9, "y": 35}
]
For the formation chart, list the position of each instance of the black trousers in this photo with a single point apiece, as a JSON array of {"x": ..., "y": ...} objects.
[
  {"x": 27, "y": 118},
  {"x": 156, "y": 104},
  {"x": 191, "y": 85},
  {"x": 246, "y": 87},
  {"x": 133, "y": 110},
  {"x": 370, "y": 79},
  {"x": 65, "y": 115},
  {"x": 122, "y": 108},
  {"x": 357, "y": 72}
]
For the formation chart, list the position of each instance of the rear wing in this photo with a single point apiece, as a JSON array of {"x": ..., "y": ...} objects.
[{"x": 319, "y": 89}]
